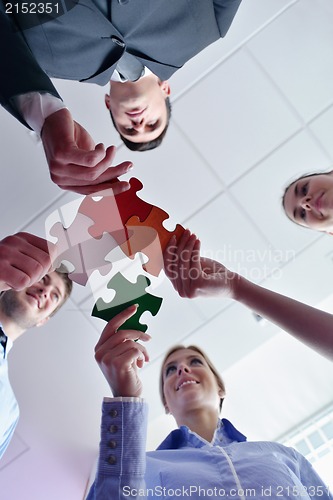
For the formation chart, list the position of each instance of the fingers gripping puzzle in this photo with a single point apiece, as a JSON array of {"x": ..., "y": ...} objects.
[
  {"x": 128, "y": 293},
  {"x": 101, "y": 224}
]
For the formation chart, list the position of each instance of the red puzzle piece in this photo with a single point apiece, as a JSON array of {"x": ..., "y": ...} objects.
[
  {"x": 111, "y": 213},
  {"x": 142, "y": 238}
]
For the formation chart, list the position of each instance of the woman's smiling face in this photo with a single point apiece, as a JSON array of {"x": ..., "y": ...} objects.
[
  {"x": 189, "y": 383},
  {"x": 309, "y": 202}
]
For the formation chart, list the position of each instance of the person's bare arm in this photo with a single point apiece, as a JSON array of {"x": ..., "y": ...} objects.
[{"x": 193, "y": 276}]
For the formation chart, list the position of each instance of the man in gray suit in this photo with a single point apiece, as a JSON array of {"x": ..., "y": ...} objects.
[{"x": 138, "y": 43}]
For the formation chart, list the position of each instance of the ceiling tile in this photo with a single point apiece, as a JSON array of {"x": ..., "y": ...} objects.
[
  {"x": 234, "y": 333},
  {"x": 251, "y": 16},
  {"x": 260, "y": 191},
  {"x": 231, "y": 238},
  {"x": 61, "y": 363},
  {"x": 295, "y": 50},
  {"x": 175, "y": 176},
  {"x": 15, "y": 449},
  {"x": 322, "y": 128},
  {"x": 276, "y": 378},
  {"x": 246, "y": 118},
  {"x": 309, "y": 276},
  {"x": 170, "y": 327},
  {"x": 28, "y": 188}
]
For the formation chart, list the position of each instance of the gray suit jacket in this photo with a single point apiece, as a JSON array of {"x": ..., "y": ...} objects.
[{"x": 86, "y": 42}]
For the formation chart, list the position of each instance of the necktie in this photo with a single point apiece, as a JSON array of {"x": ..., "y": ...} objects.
[
  {"x": 3, "y": 341},
  {"x": 130, "y": 67}
]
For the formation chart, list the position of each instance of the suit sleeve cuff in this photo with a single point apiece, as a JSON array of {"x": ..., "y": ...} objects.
[{"x": 35, "y": 107}]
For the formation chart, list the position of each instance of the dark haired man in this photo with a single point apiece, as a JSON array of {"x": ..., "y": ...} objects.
[
  {"x": 23, "y": 308},
  {"x": 129, "y": 42},
  {"x": 140, "y": 111}
]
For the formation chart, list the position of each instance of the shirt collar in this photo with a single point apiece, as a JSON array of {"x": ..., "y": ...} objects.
[
  {"x": 227, "y": 430},
  {"x": 225, "y": 434},
  {"x": 9, "y": 344},
  {"x": 117, "y": 78}
]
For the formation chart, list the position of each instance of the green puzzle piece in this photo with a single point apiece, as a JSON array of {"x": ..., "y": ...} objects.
[{"x": 128, "y": 293}]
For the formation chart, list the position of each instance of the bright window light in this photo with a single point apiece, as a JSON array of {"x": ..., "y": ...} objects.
[{"x": 314, "y": 440}]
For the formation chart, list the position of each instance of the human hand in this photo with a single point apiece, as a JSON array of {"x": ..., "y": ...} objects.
[
  {"x": 194, "y": 276},
  {"x": 24, "y": 260},
  {"x": 119, "y": 356},
  {"x": 75, "y": 162}
]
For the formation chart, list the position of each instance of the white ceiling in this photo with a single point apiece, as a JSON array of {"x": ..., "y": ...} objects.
[{"x": 250, "y": 113}]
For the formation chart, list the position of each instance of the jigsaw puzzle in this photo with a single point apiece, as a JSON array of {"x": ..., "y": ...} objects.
[
  {"x": 134, "y": 223},
  {"x": 111, "y": 213},
  {"x": 128, "y": 293},
  {"x": 145, "y": 240},
  {"x": 103, "y": 223},
  {"x": 141, "y": 237},
  {"x": 85, "y": 254}
]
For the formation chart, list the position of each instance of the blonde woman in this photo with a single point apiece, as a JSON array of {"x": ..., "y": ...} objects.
[{"x": 205, "y": 456}]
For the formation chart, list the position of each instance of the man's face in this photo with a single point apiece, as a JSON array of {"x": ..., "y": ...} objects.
[
  {"x": 138, "y": 108},
  {"x": 33, "y": 306}
]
